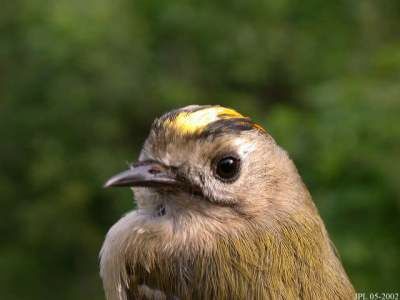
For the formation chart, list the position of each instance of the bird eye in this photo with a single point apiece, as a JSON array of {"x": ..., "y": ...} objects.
[{"x": 227, "y": 168}]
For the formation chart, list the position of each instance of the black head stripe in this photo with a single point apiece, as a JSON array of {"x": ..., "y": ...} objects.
[{"x": 224, "y": 126}]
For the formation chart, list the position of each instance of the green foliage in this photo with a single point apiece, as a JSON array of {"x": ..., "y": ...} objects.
[{"x": 81, "y": 82}]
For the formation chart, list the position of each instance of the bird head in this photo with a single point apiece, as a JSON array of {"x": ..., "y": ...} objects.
[
  {"x": 221, "y": 214},
  {"x": 208, "y": 159}
]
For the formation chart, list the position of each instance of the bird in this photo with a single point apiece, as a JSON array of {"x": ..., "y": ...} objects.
[{"x": 221, "y": 213}]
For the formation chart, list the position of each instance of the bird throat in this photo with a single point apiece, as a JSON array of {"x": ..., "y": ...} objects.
[{"x": 291, "y": 261}]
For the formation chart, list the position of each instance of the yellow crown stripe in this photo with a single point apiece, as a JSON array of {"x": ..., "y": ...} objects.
[
  {"x": 187, "y": 122},
  {"x": 259, "y": 127},
  {"x": 191, "y": 122}
]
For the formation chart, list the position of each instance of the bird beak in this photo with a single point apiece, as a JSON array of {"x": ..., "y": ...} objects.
[{"x": 144, "y": 174}]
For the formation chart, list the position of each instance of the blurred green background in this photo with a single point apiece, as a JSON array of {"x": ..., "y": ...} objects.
[{"x": 81, "y": 82}]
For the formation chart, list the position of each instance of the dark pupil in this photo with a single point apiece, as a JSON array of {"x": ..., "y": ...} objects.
[{"x": 227, "y": 167}]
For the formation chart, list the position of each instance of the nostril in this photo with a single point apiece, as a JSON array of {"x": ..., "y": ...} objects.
[
  {"x": 161, "y": 210},
  {"x": 154, "y": 171}
]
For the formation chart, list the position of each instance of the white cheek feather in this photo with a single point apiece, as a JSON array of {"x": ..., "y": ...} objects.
[
  {"x": 167, "y": 159},
  {"x": 244, "y": 147}
]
